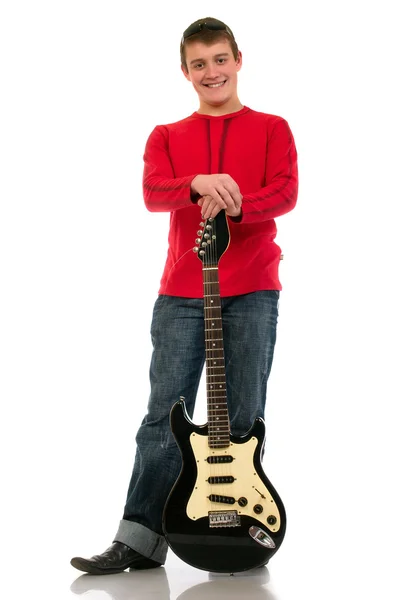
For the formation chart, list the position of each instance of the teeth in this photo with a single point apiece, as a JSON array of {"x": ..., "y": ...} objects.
[{"x": 214, "y": 85}]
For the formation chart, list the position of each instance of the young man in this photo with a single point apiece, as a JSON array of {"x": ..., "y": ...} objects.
[{"x": 224, "y": 156}]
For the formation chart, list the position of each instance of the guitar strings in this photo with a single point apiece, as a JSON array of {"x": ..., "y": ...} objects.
[
  {"x": 211, "y": 277},
  {"x": 221, "y": 468},
  {"x": 208, "y": 291}
]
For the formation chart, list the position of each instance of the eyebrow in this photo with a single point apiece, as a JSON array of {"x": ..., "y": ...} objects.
[{"x": 215, "y": 56}]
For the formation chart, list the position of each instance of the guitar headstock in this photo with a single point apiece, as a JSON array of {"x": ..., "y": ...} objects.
[{"x": 213, "y": 239}]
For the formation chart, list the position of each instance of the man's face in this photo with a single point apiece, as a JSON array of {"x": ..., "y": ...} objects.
[{"x": 212, "y": 66}]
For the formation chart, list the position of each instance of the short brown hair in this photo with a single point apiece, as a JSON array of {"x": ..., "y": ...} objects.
[{"x": 207, "y": 31}]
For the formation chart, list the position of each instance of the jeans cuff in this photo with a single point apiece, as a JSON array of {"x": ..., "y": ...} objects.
[{"x": 143, "y": 540}]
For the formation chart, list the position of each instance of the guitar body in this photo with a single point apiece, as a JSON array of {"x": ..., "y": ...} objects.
[{"x": 222, "y": 533}]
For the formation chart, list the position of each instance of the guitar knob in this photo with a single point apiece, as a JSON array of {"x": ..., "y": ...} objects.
[
  {"x": 258, "y": 509},
  {"x": 242, "y": 501},
  {"x": 271, "y": 520}
]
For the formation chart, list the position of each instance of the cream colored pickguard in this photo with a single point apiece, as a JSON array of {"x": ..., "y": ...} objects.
[{"x": 247, "y": 483}]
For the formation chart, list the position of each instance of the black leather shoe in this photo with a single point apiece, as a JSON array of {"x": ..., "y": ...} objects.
[{"x": 115, "y": 559}]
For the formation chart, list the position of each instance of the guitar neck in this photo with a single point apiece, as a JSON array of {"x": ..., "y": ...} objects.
[{"x": 217, "y": 407}]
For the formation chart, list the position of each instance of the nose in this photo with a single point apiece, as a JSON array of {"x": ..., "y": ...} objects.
[{"x": 212, "y": 71}]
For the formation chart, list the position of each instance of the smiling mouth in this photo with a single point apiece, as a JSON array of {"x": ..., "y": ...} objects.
[{"x": 215, "y": 85}]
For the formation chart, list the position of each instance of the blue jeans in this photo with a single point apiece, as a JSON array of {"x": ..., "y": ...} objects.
[{"x": 249, "y": 330}]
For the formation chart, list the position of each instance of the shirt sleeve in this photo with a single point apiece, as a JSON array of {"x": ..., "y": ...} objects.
[
  {"x": 162, "y": 192},
  {"x": 279, "y": 195}
]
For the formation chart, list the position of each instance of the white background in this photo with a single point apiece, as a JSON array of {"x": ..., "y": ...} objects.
[{"x": 83, "y": 83}]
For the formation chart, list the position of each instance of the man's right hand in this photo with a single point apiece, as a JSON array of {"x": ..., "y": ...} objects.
[{"x": 219, "y": 192}]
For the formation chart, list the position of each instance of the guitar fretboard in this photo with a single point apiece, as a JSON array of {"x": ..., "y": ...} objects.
[{"x": 217, "y": 407}]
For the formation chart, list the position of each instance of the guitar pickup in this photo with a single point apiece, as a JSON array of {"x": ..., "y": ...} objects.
[
  {"x": 219, "y": 459},
  {"x": 226, "y": 479},
  {"x": 222, "y": 499}
]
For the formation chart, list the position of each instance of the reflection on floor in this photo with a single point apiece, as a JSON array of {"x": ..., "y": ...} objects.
[{"x": 175, "y": 582}]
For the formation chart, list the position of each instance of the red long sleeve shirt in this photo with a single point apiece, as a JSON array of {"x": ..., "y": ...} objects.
[{"x": 258, "y": 151}]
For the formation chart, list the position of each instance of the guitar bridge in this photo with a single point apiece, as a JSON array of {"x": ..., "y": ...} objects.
[{"x": 224, "y": 518}]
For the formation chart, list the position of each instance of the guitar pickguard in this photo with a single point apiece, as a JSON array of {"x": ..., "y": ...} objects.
[{"x": 251, "y": 496}]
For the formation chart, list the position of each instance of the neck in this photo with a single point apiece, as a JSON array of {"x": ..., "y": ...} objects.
[
  {"x": 217, "y": 407},
  {"x": 224, "y": 109}
]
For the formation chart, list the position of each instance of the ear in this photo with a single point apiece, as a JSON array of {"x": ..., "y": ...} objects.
[
  {"x": 239, "y": 61},
  {"x": 186, "y": 74}
]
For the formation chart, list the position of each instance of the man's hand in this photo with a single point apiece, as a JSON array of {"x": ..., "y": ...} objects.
[{"x": 218, "y": 192}]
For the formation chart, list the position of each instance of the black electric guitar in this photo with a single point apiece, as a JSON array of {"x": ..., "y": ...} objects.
[{"x": 222, "y": 514}]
